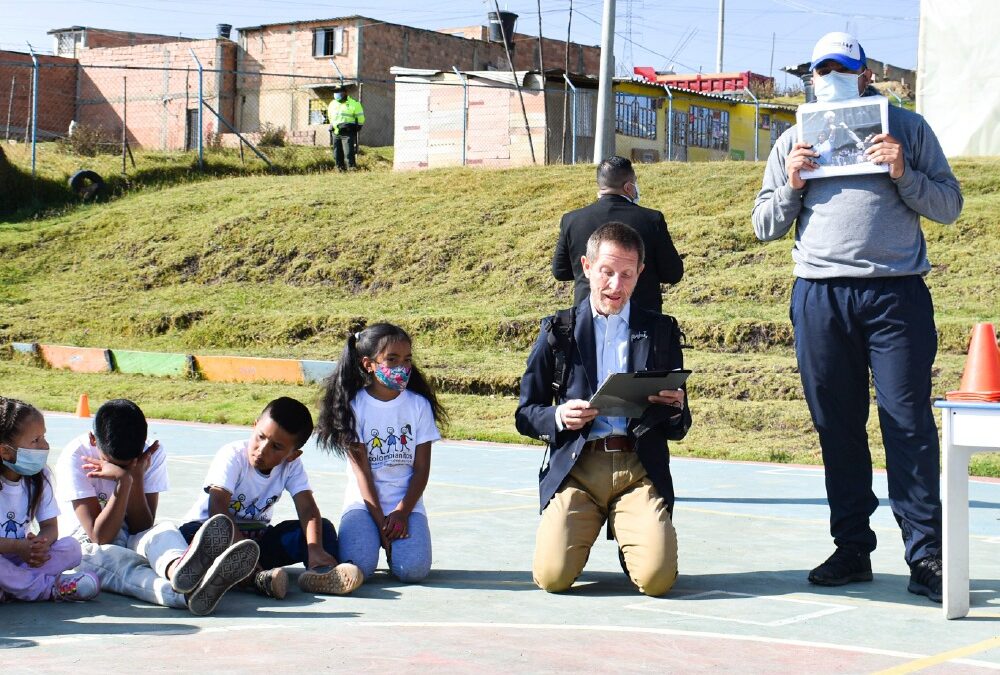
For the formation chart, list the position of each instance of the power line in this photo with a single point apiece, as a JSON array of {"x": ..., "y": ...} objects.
[{"x": 623, "y": 37}]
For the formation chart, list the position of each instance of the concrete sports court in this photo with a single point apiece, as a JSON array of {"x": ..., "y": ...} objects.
[{"x": 748, "y": 535}]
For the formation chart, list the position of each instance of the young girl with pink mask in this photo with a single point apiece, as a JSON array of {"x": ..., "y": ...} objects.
[
  {"x": 33, "y": 566},
  {"x": 374, "y": 391}
]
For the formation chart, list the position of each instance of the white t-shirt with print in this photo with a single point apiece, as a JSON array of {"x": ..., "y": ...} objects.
[
  {"x": 254, "y": 494},
  {"x": 14, "y": 520},
  {"x": 73, "y": 482},
  {"x": 391, "y": 431}
]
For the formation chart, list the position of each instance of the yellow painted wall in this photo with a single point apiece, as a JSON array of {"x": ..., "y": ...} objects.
[
  {"x": 741, "y": 125},
  {"x": 625, "y": 144}
]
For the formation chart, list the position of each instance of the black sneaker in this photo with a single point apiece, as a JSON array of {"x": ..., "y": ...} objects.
[
  {"x": 925, "y": 578},
  {"x": 233, "y": 566},
  {"x": 844, "y": 566},
  {"x": 209, "y": 542}
]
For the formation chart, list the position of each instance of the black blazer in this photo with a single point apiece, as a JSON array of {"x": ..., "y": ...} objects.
[
  {"x": 535, "y": 416},
  {"x": 663, "y": 264}
]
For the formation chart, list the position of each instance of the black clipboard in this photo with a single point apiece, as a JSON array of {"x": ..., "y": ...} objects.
[{"x": 626, "y": 394}]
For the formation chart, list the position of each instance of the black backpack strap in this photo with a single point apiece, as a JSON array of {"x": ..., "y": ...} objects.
[
  {"x": 561, "y": 326},
  {"x": 666, "y": 333}
]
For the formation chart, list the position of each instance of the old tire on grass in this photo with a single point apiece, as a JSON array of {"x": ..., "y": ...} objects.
[{"x": 86, "y": 184}]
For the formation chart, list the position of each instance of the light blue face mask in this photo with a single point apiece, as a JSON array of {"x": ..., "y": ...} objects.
[
  {"x": 29, "y": 461},
  {"x": 835, "y": 86}
]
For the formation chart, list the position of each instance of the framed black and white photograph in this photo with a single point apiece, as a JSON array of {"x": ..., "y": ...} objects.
[{"x": 841, "y": 132}]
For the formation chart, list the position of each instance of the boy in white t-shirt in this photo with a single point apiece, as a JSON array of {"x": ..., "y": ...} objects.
[
  {"x": 109, "y": 481},
  {"x": 245, "y": 481}
]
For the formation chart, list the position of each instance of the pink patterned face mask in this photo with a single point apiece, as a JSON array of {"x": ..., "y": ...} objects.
[{"x": 395, "y": 378}]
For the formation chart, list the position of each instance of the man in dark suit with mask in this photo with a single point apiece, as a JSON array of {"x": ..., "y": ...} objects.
[
  {"x": 603, "y": 468},
  {"x": 618, "y": 200}
]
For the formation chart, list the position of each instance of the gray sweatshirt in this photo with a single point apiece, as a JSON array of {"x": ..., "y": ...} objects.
[{"x": 864, "y": 225}]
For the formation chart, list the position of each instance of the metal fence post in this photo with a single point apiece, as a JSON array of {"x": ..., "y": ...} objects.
[
  {"x": 465, "y": 112},
  {"x": 34, "y": 106},
  {"x": 201, "y": 108},
  {"x": 756, "y": 125},
  {"x": 10, "y": 105},
  {"x": 573, "y": 132},
  {"x": 670, "y": 123}
]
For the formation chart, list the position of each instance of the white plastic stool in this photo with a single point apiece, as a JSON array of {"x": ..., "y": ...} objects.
[{"x": 966, "y": 428}]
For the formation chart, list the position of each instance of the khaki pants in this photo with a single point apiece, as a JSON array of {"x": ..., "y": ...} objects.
[{"x": 602, "y": 486}]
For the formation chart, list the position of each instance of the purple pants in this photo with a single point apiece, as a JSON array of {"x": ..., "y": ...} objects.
[{"x": 18, "y": 581}]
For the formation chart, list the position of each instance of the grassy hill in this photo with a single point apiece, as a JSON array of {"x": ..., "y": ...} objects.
[{"x": 286, "y": 265}]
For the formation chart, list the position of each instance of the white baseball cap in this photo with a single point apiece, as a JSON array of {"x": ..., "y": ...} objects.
[{"x": 840, "y": 47}]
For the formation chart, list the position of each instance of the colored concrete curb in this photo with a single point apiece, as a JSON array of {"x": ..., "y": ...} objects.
[
  {"x": 77, "y": 359},
  {"x": 165, "y": 364},
  {"x": 248, "y": 369},
  {"x": 160, "y": 364}
]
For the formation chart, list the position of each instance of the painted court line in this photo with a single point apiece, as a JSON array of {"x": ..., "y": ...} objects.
[
  {"x": 794, "y": 471},
  {"x": 165, "y": 631},
  {"x": 944, "y": 657},
  {"x": 673, "y": 632},
  {"x": 918, "y": 661},
  {"x": 829, "y": 608},
  {"x": 483, "y": 509}
]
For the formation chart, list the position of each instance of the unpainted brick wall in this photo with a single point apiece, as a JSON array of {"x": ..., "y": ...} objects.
[
  {"x": 57, "y": 79},
  {"x": 159, "y": 102}
]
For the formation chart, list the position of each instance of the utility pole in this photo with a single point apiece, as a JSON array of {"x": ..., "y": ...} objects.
[
  {"x": 604, "y": 143},
  {"x": 722, "y": 28},
  {"x": 770, "y": 70}
]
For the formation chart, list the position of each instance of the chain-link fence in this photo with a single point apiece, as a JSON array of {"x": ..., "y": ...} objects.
[
  {"x": 444, "y": 119},
  {"x": 483, "y": 119}
]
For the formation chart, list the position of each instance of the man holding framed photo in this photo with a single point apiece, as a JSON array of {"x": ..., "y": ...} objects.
[{"x": 859, "y": 304}]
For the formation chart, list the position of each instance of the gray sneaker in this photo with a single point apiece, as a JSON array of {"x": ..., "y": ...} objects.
[
  {"x": 339, "y": 580},
  {"x": 212, "y": 538},
  {"x": 234, "y": 565}
]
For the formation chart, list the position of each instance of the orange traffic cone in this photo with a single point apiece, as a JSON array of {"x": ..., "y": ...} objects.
[
  {"x": 83, "y": 407},
  {"x": 981, "y": 377}
]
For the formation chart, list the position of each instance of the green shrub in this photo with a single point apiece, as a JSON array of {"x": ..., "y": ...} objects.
[
  {"x": 271, "y": 136},
  {"x": 88, "y": 141}
]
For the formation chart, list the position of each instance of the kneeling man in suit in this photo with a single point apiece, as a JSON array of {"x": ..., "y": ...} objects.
[{"x": 604, "y": 469}]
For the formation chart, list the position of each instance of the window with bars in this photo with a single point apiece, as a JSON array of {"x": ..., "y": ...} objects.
[
  {"x": 680, "y": 128},
  {"x": 67, "y": 44},
  {"x": 329, "y": 41},
  {"x": 777, "y": 128},
  {"x": 635, "y": 115},
  {"x": 709, "y": 128}
]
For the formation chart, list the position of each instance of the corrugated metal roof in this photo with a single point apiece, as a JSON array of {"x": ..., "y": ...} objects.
[
  {"x": 733, "y": 97},
  {"x": 501, "y": 76}
]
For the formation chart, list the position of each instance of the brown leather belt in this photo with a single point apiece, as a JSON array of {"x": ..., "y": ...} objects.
[{"x": 611, "y": 444}]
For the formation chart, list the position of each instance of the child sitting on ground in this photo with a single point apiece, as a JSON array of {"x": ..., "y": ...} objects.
[
  {"x": 33, "y": 567},
  {"x": 245, "y": 481},
  {"x": 380, "y": 410},
  {"x": 111, "y": 481}
]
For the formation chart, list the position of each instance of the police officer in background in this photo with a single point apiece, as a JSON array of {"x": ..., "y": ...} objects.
[{"x": 346, "y": 119}]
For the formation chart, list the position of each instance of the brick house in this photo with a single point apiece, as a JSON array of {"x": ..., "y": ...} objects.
[
  {"x": 279, "y": 74},
  {"x": 70, "y": 42},
  {"x": 57, "y": 82},
  {"x": 361, "y": 51},
  {"x": 163, "y": 101}
]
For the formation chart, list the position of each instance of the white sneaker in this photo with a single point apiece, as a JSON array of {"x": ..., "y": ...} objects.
[{"x": 75, "y": 587}]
